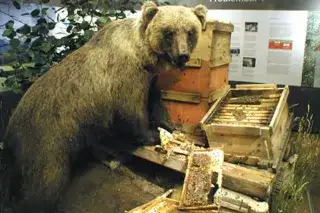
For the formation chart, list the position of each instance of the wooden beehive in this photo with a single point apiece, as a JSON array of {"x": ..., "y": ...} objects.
[
  {"x": 252, "y": 123},
  {"x": 187, "y": 94}
]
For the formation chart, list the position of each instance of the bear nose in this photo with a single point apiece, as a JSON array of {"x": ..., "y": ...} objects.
[{"x": 183, "y": 58}]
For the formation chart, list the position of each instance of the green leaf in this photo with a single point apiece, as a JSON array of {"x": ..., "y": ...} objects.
[
  {"x": 85, "y": 25},
  {"x": 45, "y": 47},
  {"x": 69, "y": 28},
  {"x": 44, "y": 11},
  {"x": 31, "y": 54},
  {"x": 35, "y": 12},
  {"x": 41, "y": 21},
  {"x": 7, "y": 33},
  {"x": 43, "y": 29},
  {"x": 14, "y": 43},
  {"x": 103, "y": 20},
  {"x": 81, "y": 13},
  {"x": 8, "y": 54},
  {"x": 37, "y": 42},
  {"x": 51, "y": 25},
  {"x": 25, "y": 29},
  {"x": 88, "y": 34},
  {"x": 15, "y": 65},
  {"x": 16, "y": 5},
  {"x": 27, "y": 41},
  {"x": 9, "y": 24}
]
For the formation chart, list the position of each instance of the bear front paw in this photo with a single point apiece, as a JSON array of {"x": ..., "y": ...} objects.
[{"x": 151, "y": 138}]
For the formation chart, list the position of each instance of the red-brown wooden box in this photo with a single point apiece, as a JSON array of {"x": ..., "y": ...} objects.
[{"x": 188, "y": 94}]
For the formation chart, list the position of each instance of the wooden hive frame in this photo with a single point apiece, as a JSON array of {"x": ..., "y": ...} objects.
[{"x": 260, "y": 137}]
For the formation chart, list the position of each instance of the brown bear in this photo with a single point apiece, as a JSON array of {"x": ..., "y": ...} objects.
[{"x": 101, "y": 87}]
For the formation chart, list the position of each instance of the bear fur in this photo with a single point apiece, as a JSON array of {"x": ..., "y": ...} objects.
[{"x": 102, "y": 87}]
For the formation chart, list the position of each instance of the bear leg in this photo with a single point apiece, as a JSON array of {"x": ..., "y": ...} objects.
[{"x": 45, "y": 174}]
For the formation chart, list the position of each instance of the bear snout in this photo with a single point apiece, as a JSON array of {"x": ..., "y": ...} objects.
[{"x": 182, "y": 59}]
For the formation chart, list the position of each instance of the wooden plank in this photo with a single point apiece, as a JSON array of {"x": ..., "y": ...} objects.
[
  {"x": 222, "y": 26},
  {"x": 255, "y": 100},
  {"x": 256, "y": 86},
  {"x": 234, "y": 129},
  {"x": 157, "y": 202},
  {"x": 248, "y": 107},
  {"x": 241, "y": 203},
  {"x": 247, "y": 111},
  {"x": 236, "y": 178},
  {"x": 282, "y": 103},
  {"x": 194, "y": 63},
  {"x": 255, "y": 89},
  {"x": 220, "y": 51},
  {"x": 181, "y": 96},
  {"x": 247, "y": 160},
  {"x": 261, "y": 105},
  {"x": 234, "y": 120},
  {"x": 283, "y": 139},
  {"x": 248, "y": 117}
]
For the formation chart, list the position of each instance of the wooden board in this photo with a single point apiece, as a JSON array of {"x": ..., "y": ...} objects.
[
  {"x": 236, "y": 178},
  {"x": 240, "y": 203},
  {"x": 181, "y": 96}
]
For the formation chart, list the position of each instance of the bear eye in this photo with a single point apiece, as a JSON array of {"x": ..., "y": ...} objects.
[
  {"x": 191, "y": 33},
  {"x": 167, "y": 34}
]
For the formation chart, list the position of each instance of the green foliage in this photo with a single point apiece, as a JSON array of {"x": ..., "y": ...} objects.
[
  {"x": 36, "y": 44},
  {"x": 307, "y": 169}
]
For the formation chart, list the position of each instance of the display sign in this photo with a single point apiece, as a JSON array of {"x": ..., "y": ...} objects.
[{"x": 266, "y": 46}]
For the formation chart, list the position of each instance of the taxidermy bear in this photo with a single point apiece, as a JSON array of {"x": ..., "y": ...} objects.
[{"x": 103, "y": 84}]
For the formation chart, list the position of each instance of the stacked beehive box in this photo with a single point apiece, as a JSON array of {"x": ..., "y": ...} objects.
[{"x": 188, "y": 94}]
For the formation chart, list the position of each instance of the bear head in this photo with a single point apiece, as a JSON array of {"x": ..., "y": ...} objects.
[{"x": 172, "y": 31}]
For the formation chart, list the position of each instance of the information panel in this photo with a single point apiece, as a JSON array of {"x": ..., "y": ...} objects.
[{"x": 266, "y": 46}]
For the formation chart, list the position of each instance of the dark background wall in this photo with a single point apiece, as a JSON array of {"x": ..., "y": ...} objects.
[{"x": 255, "y": 4}]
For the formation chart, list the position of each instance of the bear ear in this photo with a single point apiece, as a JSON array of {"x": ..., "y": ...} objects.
[
  {"x": 149, "y": 10},
  {"x": 201, "y": 12}
]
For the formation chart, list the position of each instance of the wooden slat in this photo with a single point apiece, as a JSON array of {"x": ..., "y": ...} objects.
[
  {"x": 241, "y": 203},
  {"x": 238, "y": 124},
  {"x": 256, "y": 121},
  {"x": 227, "y": 112},
  {"x": 194, "y": 63},
  {"x": 282, "y": 102},
  {"x": 248, "y": 107},
  {"x": 285, "y": 140},
  {"x": 248, "y": 117},
  {"x": 237, "y": 178},
  {"x": 181, "y": 96},
  {"x": 234, "y": 129},
  {"x": 256, "y": 86}
]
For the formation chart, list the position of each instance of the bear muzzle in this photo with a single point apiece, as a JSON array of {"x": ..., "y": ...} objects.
[{"x": 182, "y": 59}]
